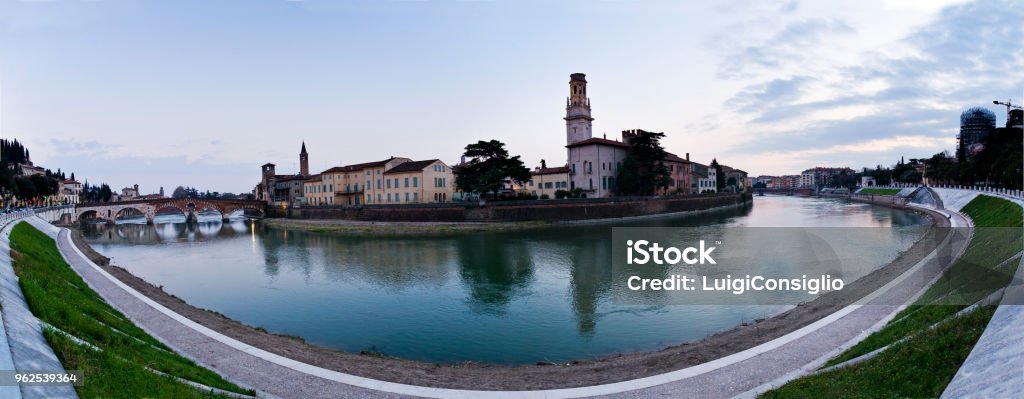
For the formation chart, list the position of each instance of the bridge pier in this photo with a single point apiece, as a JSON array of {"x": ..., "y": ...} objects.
[{"x": 191, "y": 217}]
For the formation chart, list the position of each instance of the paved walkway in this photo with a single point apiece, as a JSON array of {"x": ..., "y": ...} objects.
[
  {"x": 995, "y": 367},
  {"x": 744, "y": 373}
]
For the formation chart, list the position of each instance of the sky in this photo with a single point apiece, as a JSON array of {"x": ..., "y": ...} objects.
[{"x": 202, "y": 93}]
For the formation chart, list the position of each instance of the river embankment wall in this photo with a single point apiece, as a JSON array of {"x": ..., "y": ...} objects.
[{"x": 515, "y": 211}]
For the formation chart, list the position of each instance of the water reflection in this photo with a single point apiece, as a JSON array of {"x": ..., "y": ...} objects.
[{"x": 507, "y": 297}]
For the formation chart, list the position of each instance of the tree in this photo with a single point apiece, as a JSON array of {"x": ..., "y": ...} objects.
[
  {"x": 719, "y": 176},
  {"x": 105, "y": 193},
  {"x": 26, "y": 189},
  {"x": 643, "y": 170},
  {"x": 489, "y": 167},
  {"x": 179, "y": 192}
]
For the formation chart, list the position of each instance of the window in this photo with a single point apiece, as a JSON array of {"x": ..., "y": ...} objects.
[
  {"x": 389, "y": 183},
  {"x": 415, "y": 197},
  {"x": 415, "y": 182},
  {"x": 406, "y": 196},
  {"x": 547, "y": 185},
  {"x": 378, "y": 184},
  {"x": 396, "y": 182},
  {"x": 407, "y": 184},
  {"x": 378, "y": 196},
  {"x": 604, "y": 182}
]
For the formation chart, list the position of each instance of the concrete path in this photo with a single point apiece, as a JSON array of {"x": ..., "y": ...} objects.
[
  {"x": 995, "y": 367},
  {"x": 234, "y": 362},
  {"x": 23, "y": 348},
  {"x": 744, "y": 373}
]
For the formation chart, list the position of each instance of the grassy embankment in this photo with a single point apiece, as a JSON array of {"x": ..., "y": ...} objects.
[
  {"x": 928, "y": 341},
  {"x": 116, "y": 358},
  {"x": 879, "y": 191}
]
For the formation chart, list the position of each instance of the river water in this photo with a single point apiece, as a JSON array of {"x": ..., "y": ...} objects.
[{"x": 502, "y": 297}]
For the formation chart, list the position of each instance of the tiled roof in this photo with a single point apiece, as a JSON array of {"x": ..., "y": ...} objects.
[
  {"x": 356, "y": 167},
  {"x": 598, "y": 141},
  {"x": 410, "y": 166},
  {"x": 551, "y": 171},
  {"x": 674, "y": 158}
]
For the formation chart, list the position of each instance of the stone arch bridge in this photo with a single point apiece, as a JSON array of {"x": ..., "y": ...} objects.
[{"x": 190, "y": 207}]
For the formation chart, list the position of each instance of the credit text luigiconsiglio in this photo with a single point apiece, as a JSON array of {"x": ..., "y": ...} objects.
[{"x": 643, "y": 252}]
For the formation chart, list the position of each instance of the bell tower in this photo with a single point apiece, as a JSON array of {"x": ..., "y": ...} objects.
[
  {"x": 303, "y": 161},
  {"x": 577, "y": 110}
]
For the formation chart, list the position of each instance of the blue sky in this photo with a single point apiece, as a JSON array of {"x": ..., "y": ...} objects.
[{"x": 201, "y": 93}]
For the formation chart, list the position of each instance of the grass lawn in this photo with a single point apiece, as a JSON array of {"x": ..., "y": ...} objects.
[
  {"x": 121, "y": 366},
  {"x": 927, "y": 361},
  {"x": 879, "y": 191}
]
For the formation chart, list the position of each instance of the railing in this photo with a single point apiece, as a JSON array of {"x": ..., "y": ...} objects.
[
  {"x": 1004, "y": 192},
  {"x": 24, "y": 213}
]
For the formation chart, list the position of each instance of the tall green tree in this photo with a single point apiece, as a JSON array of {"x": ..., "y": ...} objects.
[
  {"x": 489, "y": 167},
  {"x": 719, "y": 176},
  {"x": 643, "y": 170}
]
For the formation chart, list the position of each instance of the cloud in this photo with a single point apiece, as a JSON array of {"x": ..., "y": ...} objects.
[
  {"x": 969, "y": 55},
  {"x": 791, "y": 45}
]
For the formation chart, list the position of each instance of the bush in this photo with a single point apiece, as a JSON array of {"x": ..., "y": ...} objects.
[{"x": 545, "y": 196}]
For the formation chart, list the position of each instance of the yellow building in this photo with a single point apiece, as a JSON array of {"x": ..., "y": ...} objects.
[
  {"x": 548, "y": 180},
  {"x": 314, "y": 192},
  {"x": 391, "y": 181},
  {"x": 415, "y": 182}
]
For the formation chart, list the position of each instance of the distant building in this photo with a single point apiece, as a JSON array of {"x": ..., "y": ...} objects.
[
  {"x": 354, "y": 184},
  {"x": 703, "y": 179},
  {"x": 1015, "y": 119},
  {"x": 68, "y": 191},
  {"x": 394, "y": 180},
  {"x": 593, "y": 162},
  {"x": 129, "y": 193},
  {"x": 975, "y": 125},
  {"x": 278, "y": 189},
  {"x": 28, "y": 169},
  {"x": 545, "y": 181},
  {"x": 822, "y": 176},
  {"x": 679, "y": 174},
  {"x": 736, "y": 180},
  {"x": 314, "y": 193},
  {"x": 429, "y": 181}
]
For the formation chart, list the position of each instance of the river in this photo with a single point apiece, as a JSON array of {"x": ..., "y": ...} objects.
[{"x": 512, "y": 297}]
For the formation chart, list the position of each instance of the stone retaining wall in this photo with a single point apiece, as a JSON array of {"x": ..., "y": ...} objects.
[{"x": 540, "y": 210}]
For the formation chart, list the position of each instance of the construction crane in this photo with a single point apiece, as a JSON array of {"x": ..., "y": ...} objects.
[{"x": 1009, "y": 106}]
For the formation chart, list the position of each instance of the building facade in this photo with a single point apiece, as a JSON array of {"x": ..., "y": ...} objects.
[
  {"x": 69, "y": 191},
  {"x": 680, "y": 174},
  {"x": 703, "y": 179},
  {"x": 414, "y": 182},
  {"x": 283, "y": 190},
  {"x": 545, "y": 181},
  {"x": 822, "y": 176},
  {"x": 593, "y": 162}
]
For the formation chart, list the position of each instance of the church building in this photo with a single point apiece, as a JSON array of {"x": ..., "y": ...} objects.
[{"x": 593, "y": 162}]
